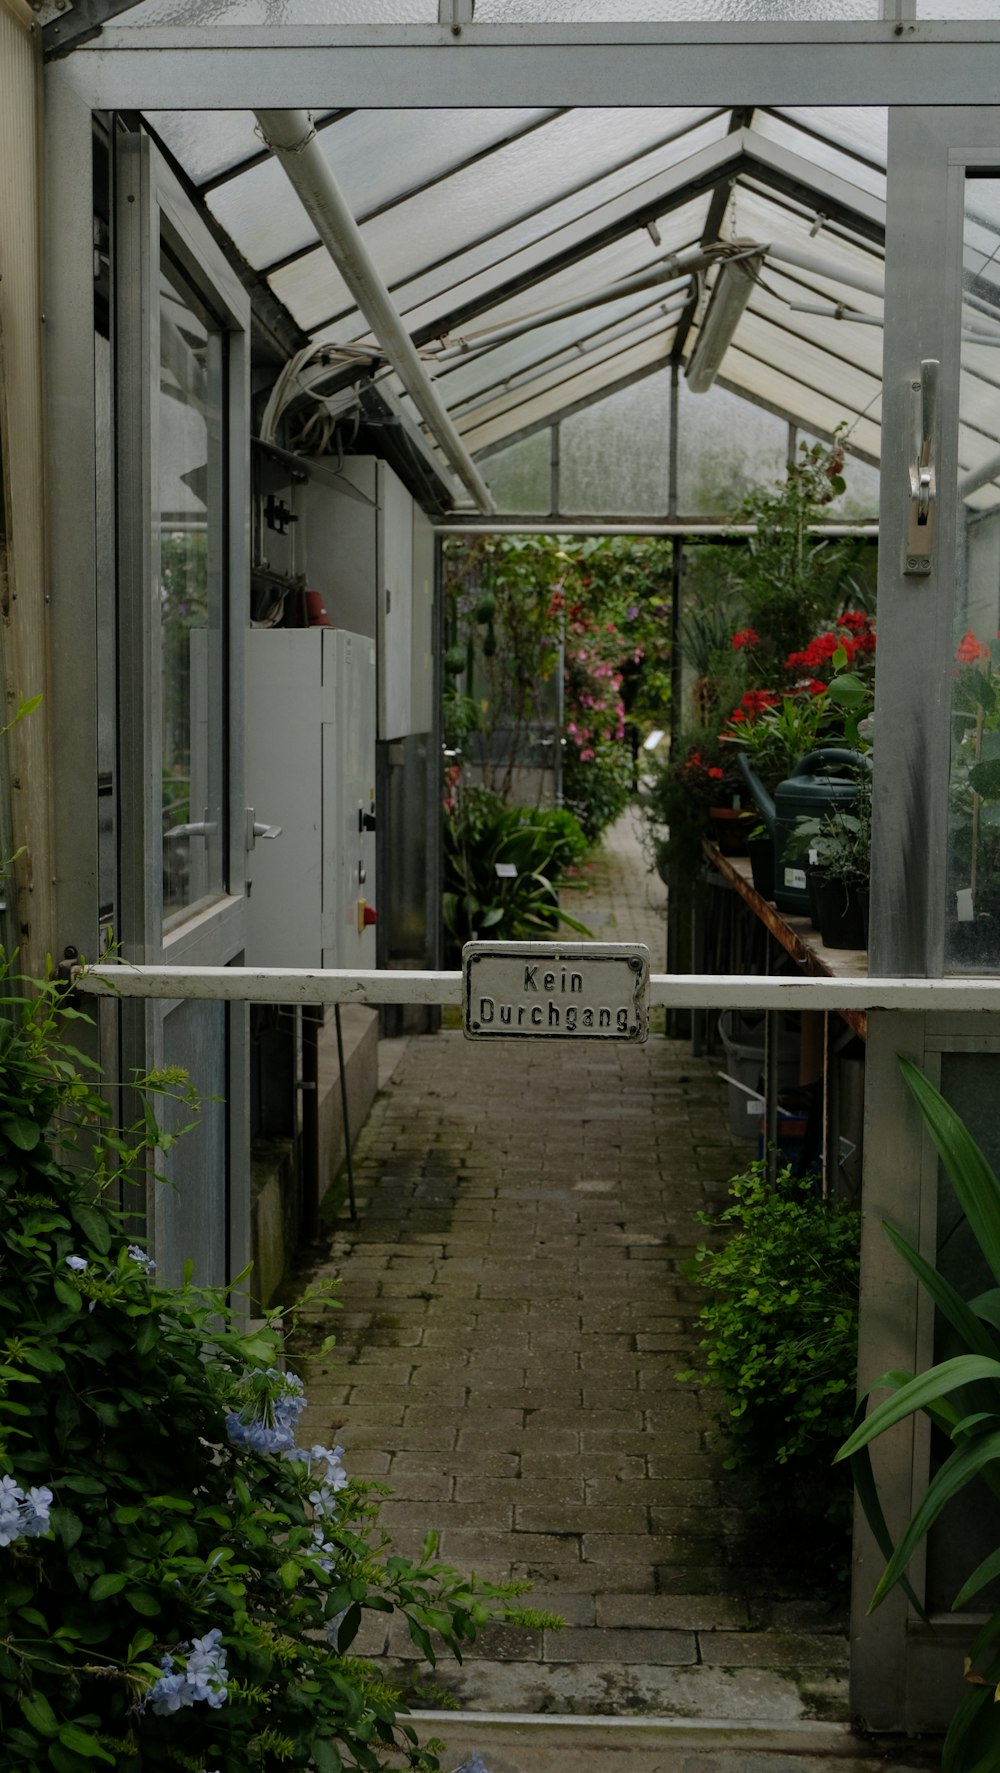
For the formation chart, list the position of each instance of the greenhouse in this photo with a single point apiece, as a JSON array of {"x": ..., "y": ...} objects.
[{"x": 500, "y": 541}]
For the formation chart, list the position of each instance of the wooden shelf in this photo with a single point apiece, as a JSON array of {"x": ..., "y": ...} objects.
[{"x": 795, "y": 934}]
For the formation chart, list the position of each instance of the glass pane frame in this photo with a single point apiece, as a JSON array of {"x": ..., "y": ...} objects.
[{"x": 154, "y": 214}]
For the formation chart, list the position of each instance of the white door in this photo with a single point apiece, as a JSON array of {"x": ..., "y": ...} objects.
[{"x": 182, "y": 459}]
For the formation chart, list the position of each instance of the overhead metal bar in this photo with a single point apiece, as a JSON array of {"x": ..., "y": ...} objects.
[
  {"x": 291, "y": 135},
  {"x": 826, "y": 62},
  {"x": 558, "y": 524}
]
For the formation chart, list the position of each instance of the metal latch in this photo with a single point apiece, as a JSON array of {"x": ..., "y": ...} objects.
[
  {"x": 923, "y": 471},
  {"x": 255, "y": 829}
]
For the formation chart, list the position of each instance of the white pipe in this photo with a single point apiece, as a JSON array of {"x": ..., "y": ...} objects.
[
  {"x": 564, "y": 526},
  {"x": 471, "y": 343},
  {"x": 290, "y": 134},
  {"x": 676, "y": 990},
  {"x": 978, "y": 477},
  {"x": 824, "y": 267}
]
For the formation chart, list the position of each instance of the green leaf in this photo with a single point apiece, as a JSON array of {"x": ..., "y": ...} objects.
[
  {"x": 82, "y": 1485},
  {"x": 982, "y": 1574},
  {"x": 957, "y": 1310},
  {"x": 111, "y": 1583},
  {"x": 957, "y": 1471},
  {"x": 290, "y": 1573},
  {"x": 83, "y": 1743},
  {"x": 93, "y": 1224},
  {"x": 25, "y": 1134},
  {"x": 325, "y": 1756},
  {"x": 919, "y": 1394},
  {"x": 974, "y": 1182},
  {"x": 143, "y": 1603},
  {"x": 39, "y": 1713}
]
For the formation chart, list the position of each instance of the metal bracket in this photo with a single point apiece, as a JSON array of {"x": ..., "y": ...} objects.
[{"x": 923, "y": 471}]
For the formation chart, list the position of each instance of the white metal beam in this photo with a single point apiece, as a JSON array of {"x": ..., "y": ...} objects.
[
  {"x": 678, "y": 991},
  {"x": 920, "y": 62}
]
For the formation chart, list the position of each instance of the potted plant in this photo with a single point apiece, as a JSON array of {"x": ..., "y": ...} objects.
[
  {"x": 697, "y": 778},
  {"x": 837, "y": 851}
]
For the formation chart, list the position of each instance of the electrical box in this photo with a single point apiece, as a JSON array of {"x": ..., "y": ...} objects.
[{"x": 310, "y": 769}]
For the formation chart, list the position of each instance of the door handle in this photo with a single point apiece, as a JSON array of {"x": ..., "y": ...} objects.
[{"x": 923, "y": 470}]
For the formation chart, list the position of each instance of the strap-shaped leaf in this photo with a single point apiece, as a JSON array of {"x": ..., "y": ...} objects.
[
  {"x": 957, "y": 1310},
  {"x": 983, "y": 1573},
  {"x": 987, "y": 1307},
  {"x": 958, "y": 1470},
  {"x": 919, "y": 1394},
  {"x": 973, "y": 1180},
  {"x": 868, "y": 1496}
]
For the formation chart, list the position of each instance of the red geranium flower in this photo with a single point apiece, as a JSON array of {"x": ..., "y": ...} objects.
[
  {"x": 745, "y": 637},
  {"x": 968, "y": 650}
]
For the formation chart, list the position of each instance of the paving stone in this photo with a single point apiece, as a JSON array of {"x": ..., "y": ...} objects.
[
  {"x": 663, "y": 1648},
  {"x": 767, "y": 1649},
  {"x": 515, "y": 1315}
]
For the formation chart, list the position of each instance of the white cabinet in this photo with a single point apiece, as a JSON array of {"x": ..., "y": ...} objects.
[{"x": 310, "y": 765}]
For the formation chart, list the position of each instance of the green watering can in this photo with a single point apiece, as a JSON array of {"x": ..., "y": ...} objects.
[{"x": 819, "y": 783}]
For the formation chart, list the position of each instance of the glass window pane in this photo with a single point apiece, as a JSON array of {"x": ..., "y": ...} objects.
[
  {"x": 983, "y": 9},
  {"x": 635, "y": 11},
  {"x": 518, "y": 477},
  {"x": 614, "y": 455},
  {"x": 190, "y": 454},
  {"x": 859, "y": 502},
  {"x": 972, "y": 921},
  {"x": 812, "y": 408},
  {"x": 725, "y": 447},
  {"x": 282, "y": 12}
]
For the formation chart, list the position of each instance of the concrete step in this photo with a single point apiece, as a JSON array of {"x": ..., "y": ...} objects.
[{"x": 526, "y": 1743}]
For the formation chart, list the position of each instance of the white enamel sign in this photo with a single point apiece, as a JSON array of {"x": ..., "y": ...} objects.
[{"x": 556, "y": 990}]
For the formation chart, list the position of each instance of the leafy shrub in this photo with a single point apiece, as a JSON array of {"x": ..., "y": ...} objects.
[
  {"x": 598, "y": 788},
  {"x": 779, "y": 1332},
  {"x": 539, "y": 843},
  {"x": 180, "y": 1585}
]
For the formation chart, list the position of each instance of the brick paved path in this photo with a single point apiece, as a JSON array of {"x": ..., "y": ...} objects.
[{"x": 514, "y": 1318}]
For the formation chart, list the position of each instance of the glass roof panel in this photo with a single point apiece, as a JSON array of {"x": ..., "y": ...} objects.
[
  {"x": 433, "y": 281},
  {"x": 636, "y": 251},
  {"x": 614, "y": 455},
  {"x": 374, "y": 155},
  {"x": 824, "y": 156},
  {"x": 282, "y": 12},
  {"x": 207, "y": 142},
  {"x": 861, "y": 129},
  {"x": 519, "y": 477},
  {"x": 758, "y": 218},
  {"x": 813, "y": 408},
  {"x": 837, "y": 378},
  {"x": 636, "y": 11},
  {"x": 725, "y": 446},
  {"x": 549, "y": 375},
  {"x": 859, "y": 343},
  {"x": 548, "y": 401},
  {"x": 463, "y": 378}
]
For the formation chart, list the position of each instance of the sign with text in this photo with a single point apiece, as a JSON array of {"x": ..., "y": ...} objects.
[{"x": 562, "y": 990}]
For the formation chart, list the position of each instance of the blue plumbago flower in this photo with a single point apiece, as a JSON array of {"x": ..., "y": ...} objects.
[
  {"x": 267, "y": 1424},
  {"x": 141, "y": 1259},
  {"x": 329, "y": 1475},
  {"x": 11, "y": 1498},
  {"x": 23, "y": 1514},
  {"x": 78, "y": 1264},
  {"x": 202, "y": 1676},
  {"x": 473, "y": 1764},
  {"x": 333, "y": 1626},
  {"x": 324, "y": 1554}
]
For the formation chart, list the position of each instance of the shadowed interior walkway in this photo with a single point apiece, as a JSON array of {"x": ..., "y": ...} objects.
[{"x": 514, "y": 1318}]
